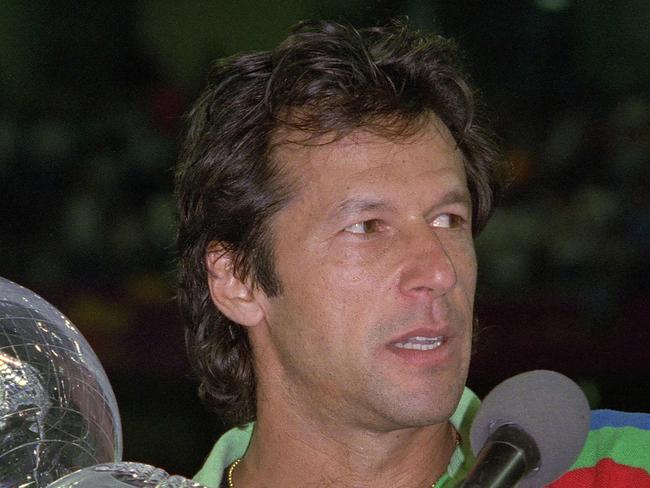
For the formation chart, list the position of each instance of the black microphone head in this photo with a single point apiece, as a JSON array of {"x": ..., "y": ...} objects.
[{"x": 550, "y": 408}]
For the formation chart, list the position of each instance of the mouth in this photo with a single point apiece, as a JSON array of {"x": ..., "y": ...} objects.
[
  {"x": 424, "y": 347},
  {"x": 420, "y": 343}
]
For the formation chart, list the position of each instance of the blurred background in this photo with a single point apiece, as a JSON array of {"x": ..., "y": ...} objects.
[{"x": 91, "y": 100}]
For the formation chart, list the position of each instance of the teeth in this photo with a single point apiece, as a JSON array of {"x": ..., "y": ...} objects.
[{"x": 420, "y": 343}]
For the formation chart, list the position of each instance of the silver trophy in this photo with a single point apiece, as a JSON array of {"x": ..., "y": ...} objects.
[
  {"x": 123, "y": 475},
  {"x": 59, "y": 421}
]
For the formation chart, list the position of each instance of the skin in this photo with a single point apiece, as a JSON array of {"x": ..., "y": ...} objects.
[{"x": 376, "y": 244}]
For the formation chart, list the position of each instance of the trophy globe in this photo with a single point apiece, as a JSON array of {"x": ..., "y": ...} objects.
[
  {"x": 59, "y": 422},
  {"x": 57, "y": 410}
]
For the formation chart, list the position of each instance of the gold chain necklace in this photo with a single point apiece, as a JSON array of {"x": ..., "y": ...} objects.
[
  {"x": 232, "y": 467},
  {"x": 238, "y": 460},
  {"x": 230, "y": 470}
]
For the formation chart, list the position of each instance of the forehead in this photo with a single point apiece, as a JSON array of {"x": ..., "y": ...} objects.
[{"x": 362, "y": 159}]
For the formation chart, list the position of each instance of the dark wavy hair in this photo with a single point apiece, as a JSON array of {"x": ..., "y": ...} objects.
[{"x": 323, "y": 79}]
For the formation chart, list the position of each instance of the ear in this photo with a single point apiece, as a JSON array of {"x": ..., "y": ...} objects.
[{"x": 233, "y": 297}]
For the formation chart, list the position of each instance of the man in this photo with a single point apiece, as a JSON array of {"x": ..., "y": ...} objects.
[{"x": 329, "y": 193}]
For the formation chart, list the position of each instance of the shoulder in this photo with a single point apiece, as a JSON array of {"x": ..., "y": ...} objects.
[
  {"x": 615, "y": 455},
  {"x": 620, "y": 436},
  {"x": 229, "y": 447}
]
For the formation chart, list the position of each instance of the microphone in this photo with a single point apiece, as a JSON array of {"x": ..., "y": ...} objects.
[{"x": 529, "y": 430}]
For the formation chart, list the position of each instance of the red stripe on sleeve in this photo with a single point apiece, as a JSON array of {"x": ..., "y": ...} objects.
[{"x": 606, "y": 473}]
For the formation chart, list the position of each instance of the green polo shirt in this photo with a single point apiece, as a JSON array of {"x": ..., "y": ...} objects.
[{"x": 233, "y": 445}]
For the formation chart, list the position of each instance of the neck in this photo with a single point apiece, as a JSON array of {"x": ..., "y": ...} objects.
[{"x": 294, "y": 451}]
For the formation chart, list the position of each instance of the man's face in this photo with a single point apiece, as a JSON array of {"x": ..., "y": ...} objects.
[{"x": 377, "y": 265}]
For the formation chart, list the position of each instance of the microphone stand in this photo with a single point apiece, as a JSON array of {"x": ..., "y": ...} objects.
[{"x": 508, "y": 455}]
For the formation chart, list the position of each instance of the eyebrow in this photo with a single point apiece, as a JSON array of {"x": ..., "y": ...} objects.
[
  {"x": 455, "y": 196},
  {"x": 356, "y": 205}
]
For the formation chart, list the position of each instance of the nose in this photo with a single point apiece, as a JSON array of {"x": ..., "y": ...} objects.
[{"x": 428, "y": 268}]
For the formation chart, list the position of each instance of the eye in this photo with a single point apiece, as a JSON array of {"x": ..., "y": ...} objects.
[
  {"x": 365, "y": 227},
  {"x": 448, "y": 221}
]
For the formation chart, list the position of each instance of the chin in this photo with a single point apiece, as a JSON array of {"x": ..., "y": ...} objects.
[
  {"x": 429, "y": 414},
  {"x": 421, "y": 410},
  {"x": 413, "y": 419}
]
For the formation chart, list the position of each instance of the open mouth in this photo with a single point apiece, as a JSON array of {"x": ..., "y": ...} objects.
[{"x": 420, "y": 343}]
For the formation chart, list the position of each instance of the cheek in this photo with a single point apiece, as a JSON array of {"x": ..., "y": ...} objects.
[
  {"x": 470, "y": 272},
  {"x": 354, "y": 281},
  {"x": 315, "y": 298},
  {"x": 355, "y": 265},
  {"x": 332, "y": 306},
  {"x": 463, "y": 257}
]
